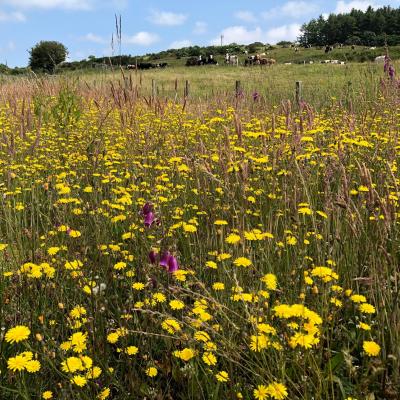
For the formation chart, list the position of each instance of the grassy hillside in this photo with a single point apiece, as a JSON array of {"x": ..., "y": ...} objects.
[
  {"x": 280, "y": 54},
  {"x": 289, "y": 55}
]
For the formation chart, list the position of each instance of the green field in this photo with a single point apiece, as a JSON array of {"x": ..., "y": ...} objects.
[{"x": 356, "y": 84}]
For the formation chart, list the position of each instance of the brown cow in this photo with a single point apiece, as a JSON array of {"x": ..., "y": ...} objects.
[{"x": 267, "y": 61}]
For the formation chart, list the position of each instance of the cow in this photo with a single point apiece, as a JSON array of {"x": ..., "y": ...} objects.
[
  {"x": 196, "y": 61},
  {"x": 231, "y": 59},
  {"x": 146, "y": 65},
  {"x": 380, "y": 59},
  {"x": 210, "y": 60},
  {"x": 251, "y": 60},
  {"x": 142, "y": 66},
  {"x": 267, "y": 61},
  {"x": 192, "y": 62},
  {"x": 259, "y": 60}
]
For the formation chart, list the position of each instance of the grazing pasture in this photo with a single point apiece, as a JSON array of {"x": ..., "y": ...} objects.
[
  {"x": 358, "y": 83},
  {"x": 227, "y": 244}
]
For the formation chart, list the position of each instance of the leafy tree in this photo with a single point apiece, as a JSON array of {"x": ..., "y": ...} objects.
[
  {"x": 313, "y": 32},
  {"x": 46, "y": 55},
  {"x": 4, "y": 69},
  {"x": 369, "y": 38},
  {"x": 372, "y": 27},
  {"x": 353, "y": 40},
  {"x": 255, "y": 47},
  {"x": 284, "y": 43}
]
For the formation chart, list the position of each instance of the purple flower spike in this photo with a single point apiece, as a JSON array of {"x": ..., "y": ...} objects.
[
  {"x": 391, "y": 71},
  {"x": 149, "y": 219},
  {"x": 386, "y": 64},
  {"x": 164, "y": 259},
  {"x": 147, "y": 209},
  {"x": 172, "y": 264},
  {"x": 153, "y": 256}
]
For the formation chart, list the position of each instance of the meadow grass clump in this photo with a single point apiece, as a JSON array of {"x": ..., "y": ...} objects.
[{"x": 188, "y": 250}]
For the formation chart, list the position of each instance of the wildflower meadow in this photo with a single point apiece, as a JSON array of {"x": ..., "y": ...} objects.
[{"x": 169, "y": 248}]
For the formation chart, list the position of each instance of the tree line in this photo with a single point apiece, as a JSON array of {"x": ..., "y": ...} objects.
[{"x": 368, "y": 28}]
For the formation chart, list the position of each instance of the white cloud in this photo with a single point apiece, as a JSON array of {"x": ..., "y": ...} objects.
[
  {"x": 285, "y": 32},
  {"x": 292, "y": 9},
  {"x": 343, "y": 7},
  {"x": 200, "y": 28},
  {"x": 91, "y": 37},
  {"x": 179, "y": 44},
  {"x": 239, "y": 34},
  {"x": 14, "y": 16},
  {"x": 167, "y": 18},
  {"x": 242, "y": 35},
  {"x": 49, "y": 4},
  {"x": 141, "y": 39},
  {"x": 246, "y": 16}
]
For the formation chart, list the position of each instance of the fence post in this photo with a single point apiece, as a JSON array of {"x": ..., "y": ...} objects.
[
  {"x": 299, "y": 87},
  {"x": 153, "y": 88},
  {"x": 237, "y": 88},
  {"x": 186, "y": 90}
]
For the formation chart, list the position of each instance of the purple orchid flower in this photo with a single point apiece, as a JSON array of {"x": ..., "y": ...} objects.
[
  {"x": 148, "y": 214},
  {"x": 149, "y": 219},
  {"x": 172, "y": 264},
  {"x": 147, "y": 208},
  {"x": 164, "y": 259}
]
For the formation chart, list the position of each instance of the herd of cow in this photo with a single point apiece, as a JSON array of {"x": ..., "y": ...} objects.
[
  {"x": 259, "y": 60},
  {"x": 146, "y": 65},
  {"x": 230, "y": 59}
]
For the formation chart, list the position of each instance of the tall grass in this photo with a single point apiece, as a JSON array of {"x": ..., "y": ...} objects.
[{"x": 250, "y": 196}]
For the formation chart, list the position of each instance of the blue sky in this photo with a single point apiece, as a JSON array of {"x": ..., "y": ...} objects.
[{"x": 86, "y": 26}]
